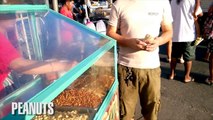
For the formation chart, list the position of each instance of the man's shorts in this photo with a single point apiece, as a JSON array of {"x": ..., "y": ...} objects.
[
  {"x": 185, "y": 49},
  {"x": 142, "y": 83}
]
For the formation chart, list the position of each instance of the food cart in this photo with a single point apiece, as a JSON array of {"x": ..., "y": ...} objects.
[
  {"x": 100, "y": 9},
  {"x": 89, "y": 90}
]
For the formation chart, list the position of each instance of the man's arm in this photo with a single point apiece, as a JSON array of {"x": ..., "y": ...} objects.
[
  {"x": 166, "y": 35},
  {"x": 40, "y": 67}
]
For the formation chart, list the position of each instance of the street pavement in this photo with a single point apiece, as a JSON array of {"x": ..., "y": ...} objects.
[{"x": 184, "y": 101}]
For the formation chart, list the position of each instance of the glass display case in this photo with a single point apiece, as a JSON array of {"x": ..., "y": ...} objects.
[{"x": 50, "y": 58}]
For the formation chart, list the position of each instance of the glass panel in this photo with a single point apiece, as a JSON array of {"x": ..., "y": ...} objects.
[
  {"x": 87, "y": 92},
  {"x": 91, "y": 87},
  {"x": 39, "y": 48}
]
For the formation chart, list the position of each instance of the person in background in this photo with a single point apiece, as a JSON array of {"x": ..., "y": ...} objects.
[
  {"x": 183, "y": 37},
  {"x": 11, "y": 59},
  {"x": 67, "y": 9},
  {"x": 169, "y": 48},
  {"x": 207, "y": 54},
  {"x": 208, "y": 35},
  {"x": 79, "y": 10},
  {"x": 139, "y": 70},
  {"x": 195, "y": 14}
]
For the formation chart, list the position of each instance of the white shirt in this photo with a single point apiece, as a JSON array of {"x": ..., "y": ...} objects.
[
  {"x": 136, "y": 18},
  {"x": 183, "y": 24}
]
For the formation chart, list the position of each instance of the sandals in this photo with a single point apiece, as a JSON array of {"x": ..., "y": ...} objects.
[
  {"x": 171, "y": 77},
  {"x": 209, "y": 82},
  {"x": 185, "y": 81},
  {"x": 190, "y": 80}
]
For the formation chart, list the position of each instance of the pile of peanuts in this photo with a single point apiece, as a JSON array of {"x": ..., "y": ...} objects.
[
  {"x": 66, "y": 115},
  {"x": 77, "y": 98}
]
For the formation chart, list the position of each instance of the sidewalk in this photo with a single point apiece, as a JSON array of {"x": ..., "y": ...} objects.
[{"x": 184, "y": 101}]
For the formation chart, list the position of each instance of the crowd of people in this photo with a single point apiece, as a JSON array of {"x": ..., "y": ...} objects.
[
  {"x": 135, "y": 25},
  {"x": 73, "y": 9}
]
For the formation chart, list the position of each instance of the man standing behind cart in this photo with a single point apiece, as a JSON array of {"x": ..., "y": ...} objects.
[{"x": 139, "y": 22}]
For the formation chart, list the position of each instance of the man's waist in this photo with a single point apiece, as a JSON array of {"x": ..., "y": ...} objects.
[{"x": 143, "y": 64}]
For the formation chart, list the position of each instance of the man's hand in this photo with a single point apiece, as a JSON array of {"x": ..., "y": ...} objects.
[
  {"x": 136, "y": 44},
  {"x": 195, "y": 16},
  {"x": 152, "y": 45},
  {"x": 51, "y": 76}
]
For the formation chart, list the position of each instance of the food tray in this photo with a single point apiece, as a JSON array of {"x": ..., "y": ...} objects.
[
  {"x": 81, "y": 110},
  {"x": 77, "y": 98},
  {"x": 69, "y": 113}
]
